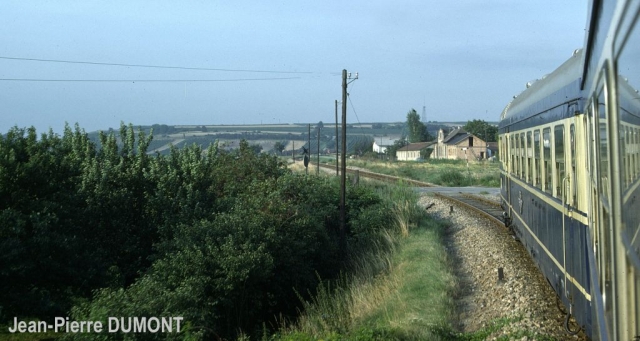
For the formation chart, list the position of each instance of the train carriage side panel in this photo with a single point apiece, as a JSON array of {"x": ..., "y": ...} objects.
[{"x": 546, "y": 215}]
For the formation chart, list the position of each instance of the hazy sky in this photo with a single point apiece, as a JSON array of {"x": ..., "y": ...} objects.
[{"x": 463, "y": 59}]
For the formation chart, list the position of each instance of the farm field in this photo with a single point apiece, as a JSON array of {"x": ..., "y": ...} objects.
[{"x": 293, "y": 136}]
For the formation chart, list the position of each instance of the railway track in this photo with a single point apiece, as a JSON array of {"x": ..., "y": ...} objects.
[
  {"x": 378, "y": 176},
  {"x": 477, "y": 247},
  {"x": 487, "y": 208}
]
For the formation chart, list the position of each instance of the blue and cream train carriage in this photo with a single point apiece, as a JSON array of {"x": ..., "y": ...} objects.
[{"x": 570, "y": 155}]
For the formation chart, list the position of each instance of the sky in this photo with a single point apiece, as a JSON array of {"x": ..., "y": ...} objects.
[{"x": 270, "y": 62}]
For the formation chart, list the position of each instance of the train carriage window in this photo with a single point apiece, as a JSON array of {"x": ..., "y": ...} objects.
[
  {"x": 574, "y": 185},
  {"x": 517, "y": 155},
  {"x": 603, "y": 145},
  {"x": 546, "y": 154},
  {"x": 637, "y": 153},
  {"x": 536, "y": 155},
  {"x": 529, "y": 158},
  {"x": 500, "y": 150},
  {"x": 637, "y": 147},
  {"x": 634, "y": 156},
  {"x": 631, "y": 156},
  {"x": 591, "y": 114},
  {"x": 522, "y": 161},
  {"x": 512, "y": 151},
  {"x": 624, "y": 153},
  {"x": 627, "y": 66},
  {"x": 558, "y": 138}
]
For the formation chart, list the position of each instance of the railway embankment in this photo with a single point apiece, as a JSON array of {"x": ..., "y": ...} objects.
[
  {"x": 518, "y": 306},
  {"x": 521, "y": 305}
]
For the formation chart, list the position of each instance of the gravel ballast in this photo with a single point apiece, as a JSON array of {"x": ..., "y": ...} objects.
[{"x": 477, "y": 249}]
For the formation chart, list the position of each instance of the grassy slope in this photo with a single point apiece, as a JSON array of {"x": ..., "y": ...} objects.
[
  {"x": 424, "y": 283},
  {"x": 411, "y": 301}
]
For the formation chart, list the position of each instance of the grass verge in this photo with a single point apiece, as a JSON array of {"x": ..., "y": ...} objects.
[{"x": 410, "y": 300}]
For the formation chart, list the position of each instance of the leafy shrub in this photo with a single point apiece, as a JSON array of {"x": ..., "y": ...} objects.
[
  {"x": 489, "y": 181},
  {"x": 220, "y": 238},
  {"x": 453, "y": 178}
]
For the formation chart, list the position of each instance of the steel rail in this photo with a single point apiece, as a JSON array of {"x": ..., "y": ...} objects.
[{"x": 476, "y": 204}]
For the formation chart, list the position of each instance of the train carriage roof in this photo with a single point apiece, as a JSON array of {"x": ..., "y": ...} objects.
[{"x": 557, "y": 88}]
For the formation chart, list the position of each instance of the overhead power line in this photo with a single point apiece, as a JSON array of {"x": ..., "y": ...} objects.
[
  {"x": 149, "y": 66},
  {"x": 354, "y": 111},
  {"x": 144, "y": 80}
]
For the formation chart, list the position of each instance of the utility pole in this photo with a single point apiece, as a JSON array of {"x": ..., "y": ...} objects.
[
  {"x": 343, "y": 166},
  {"x": 306, "y": 169},
  {"x": 318, "y": 160},
  {"x": 343, "y": 177},
  {"x": 337, "y": 173}
]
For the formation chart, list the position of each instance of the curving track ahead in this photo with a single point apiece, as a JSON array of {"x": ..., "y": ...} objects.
[
  {"x": 490, "y": 209},
  {"x": 520, "y": 292},
  {"x": 378, "y": 176}
]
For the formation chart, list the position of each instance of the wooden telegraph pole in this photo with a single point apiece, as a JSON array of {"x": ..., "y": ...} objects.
[
  {"x": 306, "y": 168},
  {"x": 343, "y": 166},
  {"x": 337, "y": 154},
  {"x": 343, "y": 177}
]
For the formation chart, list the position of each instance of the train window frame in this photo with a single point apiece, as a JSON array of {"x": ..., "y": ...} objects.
[
  {"x": 523, "y": 169},
  {"x": 516, "y": 159},
  {"x": 624, "y": 153},
  {"x": 537, "y": 156},
  {"x": 514, "y": 152},
  {"x": 547, "y": 175},
  {"x": 635, "y": 152},
  {"x": 602, "y": 142},
  {"x": 512, "y": 155},
  {"x": 559, "y": 159},
  {"x": 529, "y": 156},
  {"x": 636, "y": 134},
  {"x": 594, "y": 131},
  {"x": 572, "y": 150},
  {"x": 516, "y": 146},
  {"x": 499, "y": 151}
]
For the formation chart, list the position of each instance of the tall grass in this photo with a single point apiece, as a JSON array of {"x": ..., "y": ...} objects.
[
  {"x": 453, "y": 178},
  {"x": 403, "y": 202},
  {"x": 400, "y": 289}
]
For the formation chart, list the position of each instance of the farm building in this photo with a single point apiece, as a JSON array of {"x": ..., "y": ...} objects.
[
  {"x": 380, "y": 144},
  {"x": 459, "y": 145},
  {"x": 411, "y": 152}
]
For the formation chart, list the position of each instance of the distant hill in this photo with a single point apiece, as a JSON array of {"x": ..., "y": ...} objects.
[{"x": 266, "y": 135}]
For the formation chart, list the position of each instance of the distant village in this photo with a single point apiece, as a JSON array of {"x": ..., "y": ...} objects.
[
  {"x": 458, "y": 144},
  {"x": 397, "y": 141}
]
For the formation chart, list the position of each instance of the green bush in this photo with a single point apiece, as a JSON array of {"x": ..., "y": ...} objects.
[
  {"x": 453, "y": 178},
  {"x": 489, "y": 181},
  {"x": 220, "y": 238}
]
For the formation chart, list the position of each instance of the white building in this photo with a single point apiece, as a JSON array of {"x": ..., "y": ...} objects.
[
  {"x": 380, "y": 144},
  {"x": 411, "y": 152}
]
